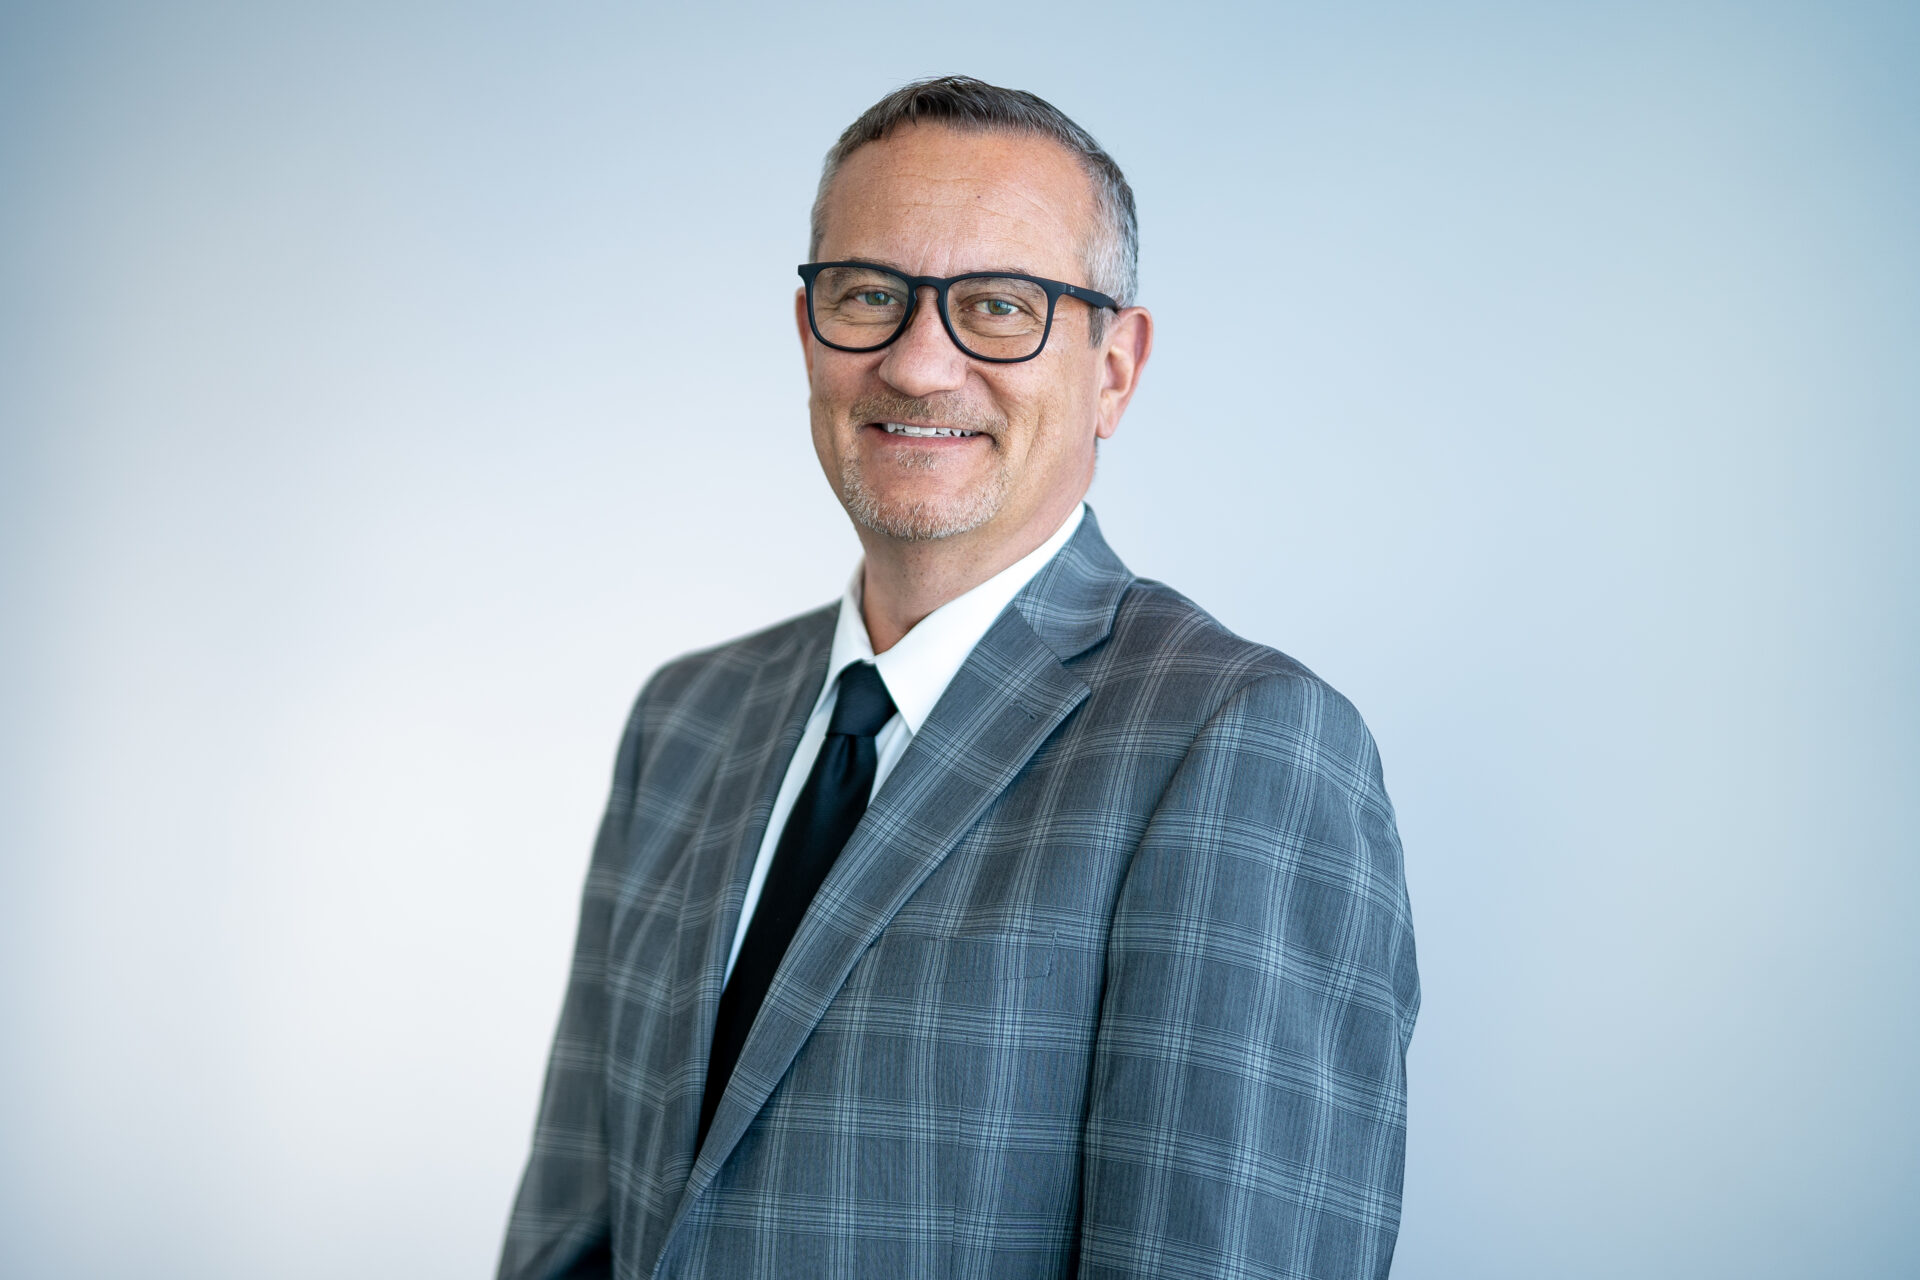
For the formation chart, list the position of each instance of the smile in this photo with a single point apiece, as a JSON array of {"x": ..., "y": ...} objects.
[{"x": 907, "y": 429}]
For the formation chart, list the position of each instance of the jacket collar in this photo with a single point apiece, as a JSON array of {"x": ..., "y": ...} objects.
[{"x": 1071, "y": 603}]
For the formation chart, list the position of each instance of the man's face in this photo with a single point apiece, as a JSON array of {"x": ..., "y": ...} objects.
[{"x": 934, "y": 201}]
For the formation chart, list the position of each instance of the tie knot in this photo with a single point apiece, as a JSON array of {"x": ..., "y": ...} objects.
[{"x": 864, "y": 705}]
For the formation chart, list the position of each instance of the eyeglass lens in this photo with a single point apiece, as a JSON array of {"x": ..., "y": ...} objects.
[{"x": 996, "y": 317}]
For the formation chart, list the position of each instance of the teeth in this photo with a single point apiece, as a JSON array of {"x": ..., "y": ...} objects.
[{"x": 905, "y": 429}]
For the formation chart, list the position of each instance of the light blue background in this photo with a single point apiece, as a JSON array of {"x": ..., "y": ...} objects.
[{"x": 386, "y": 391}]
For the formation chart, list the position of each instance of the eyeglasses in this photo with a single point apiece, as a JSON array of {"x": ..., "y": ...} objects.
[{"x": 990, "y": 315}]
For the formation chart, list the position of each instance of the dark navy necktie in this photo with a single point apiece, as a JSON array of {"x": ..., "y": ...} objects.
[{"x": 824, "y": 815}]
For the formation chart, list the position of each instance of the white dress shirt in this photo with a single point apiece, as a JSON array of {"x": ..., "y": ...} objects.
[{"x": 916, "y": 672}]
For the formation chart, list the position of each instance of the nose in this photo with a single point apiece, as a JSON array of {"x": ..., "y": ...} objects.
[{"x": 923, "y": 360}]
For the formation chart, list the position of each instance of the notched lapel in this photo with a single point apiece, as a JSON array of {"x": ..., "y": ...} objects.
[
  {"x": 772, "y": 715},
  {"x": 1007, "y": 699}
]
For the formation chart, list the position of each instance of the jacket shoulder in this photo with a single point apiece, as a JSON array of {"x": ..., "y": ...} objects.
[
  {"x": 709, "y": 678},
  {"x": 1163, "y": 634},
  {"x": 1192, "y": 668}
]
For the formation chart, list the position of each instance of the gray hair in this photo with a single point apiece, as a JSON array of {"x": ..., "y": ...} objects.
[{"x": 962, "y": 102}]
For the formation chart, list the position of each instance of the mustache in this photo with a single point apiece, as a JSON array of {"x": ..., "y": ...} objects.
[{"x": 930, "y": 411}]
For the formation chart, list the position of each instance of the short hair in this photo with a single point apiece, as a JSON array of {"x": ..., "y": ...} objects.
[{"x": 962, "y": 102}]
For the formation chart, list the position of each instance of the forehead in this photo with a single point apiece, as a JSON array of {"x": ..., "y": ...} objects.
[{"x": 940, "y": 201}]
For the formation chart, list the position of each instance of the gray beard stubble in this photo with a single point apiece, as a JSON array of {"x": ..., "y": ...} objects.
[{"x": 920, "y": 521}]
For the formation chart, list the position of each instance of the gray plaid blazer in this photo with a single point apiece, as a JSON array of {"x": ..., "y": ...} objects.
[{"x": 1115, "y": 978}]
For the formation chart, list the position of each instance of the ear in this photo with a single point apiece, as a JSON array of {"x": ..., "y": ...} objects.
[
  {"x": 806, "y": 330},
  {"x": 1129, "y": 342}
]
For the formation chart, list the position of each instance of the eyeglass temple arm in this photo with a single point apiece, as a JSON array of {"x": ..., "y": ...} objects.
[{"x": 1089, "y": 296}]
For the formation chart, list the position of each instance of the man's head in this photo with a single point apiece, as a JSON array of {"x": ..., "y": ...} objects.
[
  {"x": 943, "y": 178},
  {"x": 960, "y": 102}
]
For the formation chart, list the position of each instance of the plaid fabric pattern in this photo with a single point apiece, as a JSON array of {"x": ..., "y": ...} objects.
[{"x": 1115, "y": 978}]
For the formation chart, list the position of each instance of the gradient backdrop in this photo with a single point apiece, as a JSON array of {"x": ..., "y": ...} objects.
[{"x": 386, "y": 390}]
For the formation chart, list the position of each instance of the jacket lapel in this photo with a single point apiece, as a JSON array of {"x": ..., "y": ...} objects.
[
  {"x": 1006, "y": 700},
  {"x": 767, "y": 729}
]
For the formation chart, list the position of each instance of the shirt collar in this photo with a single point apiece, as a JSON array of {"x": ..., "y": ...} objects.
[{"x": 919, "y": 668}]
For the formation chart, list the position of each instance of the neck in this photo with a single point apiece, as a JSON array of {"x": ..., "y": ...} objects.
[{"x": 903, "y": 582}]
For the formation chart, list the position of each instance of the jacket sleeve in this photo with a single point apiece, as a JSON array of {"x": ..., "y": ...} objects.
[
  {"x": 560, "y": 1227},
  {"x": 1248, "y": 1106}
]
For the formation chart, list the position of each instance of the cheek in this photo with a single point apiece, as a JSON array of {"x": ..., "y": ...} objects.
[
  {"x": 820, "y": 422},
  {"x": 836, "y": 381},
  {"x": 1058, "y": 411},
  {"x": 823, "y": 415}
]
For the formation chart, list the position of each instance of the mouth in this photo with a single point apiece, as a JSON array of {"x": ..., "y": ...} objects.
[{"x": 916, "y": 431}]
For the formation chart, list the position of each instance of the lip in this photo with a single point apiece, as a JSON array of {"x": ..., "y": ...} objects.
[{"x": 880, "y": 429}]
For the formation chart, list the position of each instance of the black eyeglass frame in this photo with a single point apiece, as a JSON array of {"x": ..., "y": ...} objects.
[{"x": 1054, "y": 289}]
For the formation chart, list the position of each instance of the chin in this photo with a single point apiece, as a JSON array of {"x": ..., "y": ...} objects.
[{"x": 922, "y": 518}]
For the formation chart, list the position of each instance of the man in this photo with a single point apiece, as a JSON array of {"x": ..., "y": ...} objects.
[{"x": 1011, "y": 918}]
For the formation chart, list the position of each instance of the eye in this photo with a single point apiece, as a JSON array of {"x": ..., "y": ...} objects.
[{"x": 876, "y": 298}]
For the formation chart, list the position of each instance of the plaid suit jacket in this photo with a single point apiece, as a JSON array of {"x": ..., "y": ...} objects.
[{"x": 1115, "y": 978}]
